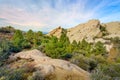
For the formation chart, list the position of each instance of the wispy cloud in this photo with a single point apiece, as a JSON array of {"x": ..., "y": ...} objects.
[{"x": 48, "y": 14}]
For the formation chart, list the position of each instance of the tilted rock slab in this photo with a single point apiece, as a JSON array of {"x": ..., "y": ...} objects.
[
  {"x": 56, "y": 32},
  {"x": 62, "y": 69}
]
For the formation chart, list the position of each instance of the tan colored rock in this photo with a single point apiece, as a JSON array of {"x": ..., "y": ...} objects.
[
  {"x": 86, "y": 30},
  {"x": 113, "y": 29},
  {"x": 56, "y": 32},
  {"x": 60, "y": 68}
]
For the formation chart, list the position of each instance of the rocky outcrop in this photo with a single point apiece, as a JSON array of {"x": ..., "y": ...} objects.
[
  {"x": 84, "y": 31},
  {"x": 89, "y": 31},
  {"x": 56, "y": 32},
  {"x": 63, "y": 70},
  {"x": 92, "y": 31},
  {"x": 113, "y": 29}
]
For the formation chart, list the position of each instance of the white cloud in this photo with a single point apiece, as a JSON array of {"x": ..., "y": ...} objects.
[{"x": 44, "y": 16}]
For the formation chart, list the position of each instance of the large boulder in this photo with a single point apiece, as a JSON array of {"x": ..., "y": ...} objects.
[{"x": 62, "y": 70}]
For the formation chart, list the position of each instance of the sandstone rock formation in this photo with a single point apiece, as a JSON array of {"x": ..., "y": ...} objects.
[
  {"x": 84, "y": 31},
  {"x": 56, "y": 32},
  {"x": 113, "y": 29},
  {"x": 63, "y": 70},
  {"x": 89, "y": 31}
]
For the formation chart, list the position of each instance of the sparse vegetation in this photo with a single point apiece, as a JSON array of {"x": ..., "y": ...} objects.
[
  {"x": 102, "y": 28},
  {"x": 107, "y": 72},
  {"x": 7, "y": 29},
  {"x": 90, "y": 57},
  {"x": 5, "y": 49}
]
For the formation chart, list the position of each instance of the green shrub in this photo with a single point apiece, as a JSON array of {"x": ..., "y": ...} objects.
[
  {"x": 83, "y": 62},
  {"x": 99, "y": 59},
  {"x": 107, "y": 72},
  {"x": 57, "y": 48},
  {"x": 26, "y": 45},
  {"x": 36, "y": 76},
  {"x": 5, "y": 49},
  {"x": 7, "y": 29},
  {"x": 10, "y": 74},
  {"x": 102, "y": 28},
  {"x": 17, "y": 41},
  {"x": 99, "y": 48},
  {"x": 99, "y": 75}
]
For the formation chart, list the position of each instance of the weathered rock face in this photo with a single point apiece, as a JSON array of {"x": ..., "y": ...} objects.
[
  {"x": 56, "y": 32},
  {"x": 89, "y": 30},
  {"x": 113, "y": 29},
  {"x": 84, "y": 31},
  {"x": 63, "y": 70}
]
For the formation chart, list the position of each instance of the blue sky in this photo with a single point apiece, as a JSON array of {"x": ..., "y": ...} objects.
[{"x": 46, "y": 15}]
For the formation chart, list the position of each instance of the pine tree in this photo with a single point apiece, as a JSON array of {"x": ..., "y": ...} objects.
[
  {"x": 30, "y": 36},
  {"x": 17, "y": 40},
  {"x": 99, "y": 48}
]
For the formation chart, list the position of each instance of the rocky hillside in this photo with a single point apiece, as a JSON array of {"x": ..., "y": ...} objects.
[
  {"x": 84, "y": 31},
  {"x": 113, "y": 29},
  {"x": 58, "y": 69},
  {"x": 90, "y": 30}
]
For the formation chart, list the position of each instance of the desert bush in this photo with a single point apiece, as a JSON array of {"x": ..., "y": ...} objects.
[
  {"x": 5, "y": 49},
  {"x": 26, "y": 45},
  {"x": 79, "y": 60},
  {"x": 67, "y": 56},
  {"x": 106, "y": 72},
  {"x": 83, "y": 62},
  {"x": 36, "y": 76},
  {"x": 99, "y": 75},
  {"x": 7, "y": 29},
  {"x": 10, "y": 74},
  {"x": 112, "y": 70},
  {"x": 99, "y": 59},
  {"x": 102, "y": 28}
]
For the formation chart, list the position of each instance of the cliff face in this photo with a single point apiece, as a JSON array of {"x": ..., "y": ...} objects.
[
  {"x": 89, "y": 31},
  {"x": 84, "y": 31}
]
